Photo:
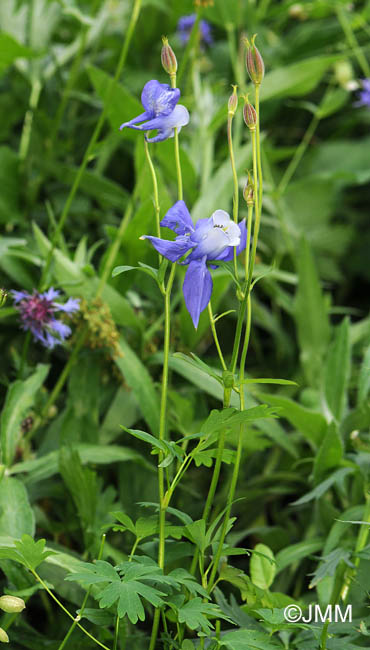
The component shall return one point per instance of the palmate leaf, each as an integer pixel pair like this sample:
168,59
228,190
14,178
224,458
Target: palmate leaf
126,585
194,613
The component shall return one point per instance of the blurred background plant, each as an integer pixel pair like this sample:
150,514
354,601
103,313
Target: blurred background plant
76,195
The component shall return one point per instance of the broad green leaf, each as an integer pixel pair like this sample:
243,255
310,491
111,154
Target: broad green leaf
194,614
332,102
10,50
139,380
31,553
143,267
247,639
311,316
330,453
97,616
323,487
16,514
262,566
46,466
329,565
311,425
196,532
296,552
19,400
271,380
337,371
122,106
295,79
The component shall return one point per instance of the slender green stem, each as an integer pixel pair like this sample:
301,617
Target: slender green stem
298,154
28,119
64,642
134,547
177,150
116,632
258,146
215,337
161,436
352,40
109,263
157,208
44,585
235,474
189,46
361,542
76,183
235,179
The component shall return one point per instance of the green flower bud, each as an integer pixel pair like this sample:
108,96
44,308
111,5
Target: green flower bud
248,192
168,58
12,604
233,102
3,297
249,114
254,61
3,636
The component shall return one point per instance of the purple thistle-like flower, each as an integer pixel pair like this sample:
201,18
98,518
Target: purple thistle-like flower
37,315
161,112
210,240
364,97
186,24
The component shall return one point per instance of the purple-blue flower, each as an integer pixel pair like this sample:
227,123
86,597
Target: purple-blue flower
212,239
161,112
364,97
185,25
37,315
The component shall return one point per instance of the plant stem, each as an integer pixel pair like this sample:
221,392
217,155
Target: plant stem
64,642
74,619
352,40
298,155
177,150
28,119
116,631
155,191
215,337
161,436
361,541
189,46
109,263
235,180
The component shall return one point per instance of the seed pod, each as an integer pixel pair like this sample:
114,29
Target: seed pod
249,114
3,636
168,58
12,604
248,192
233,102
254,61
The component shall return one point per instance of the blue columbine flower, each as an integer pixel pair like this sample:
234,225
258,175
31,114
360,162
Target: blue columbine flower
364,98
161,111
212,239
37,315
185,25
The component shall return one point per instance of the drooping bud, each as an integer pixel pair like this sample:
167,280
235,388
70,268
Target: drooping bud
12,604
249,114
3,636
233,102
3,297
248,192
254,61
168,58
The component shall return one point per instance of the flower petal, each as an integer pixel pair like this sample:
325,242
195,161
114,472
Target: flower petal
140,118
172,250
19,295
178,219
197,288
159,99
228,254
72,305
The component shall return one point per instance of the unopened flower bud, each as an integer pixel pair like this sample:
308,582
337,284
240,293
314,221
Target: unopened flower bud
248,192
254,61
3,636
298,11
249,114
168,57
3,297
233,102
343,73
12,604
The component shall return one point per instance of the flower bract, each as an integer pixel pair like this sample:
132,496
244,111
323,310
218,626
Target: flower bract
37,312
162,113
210,240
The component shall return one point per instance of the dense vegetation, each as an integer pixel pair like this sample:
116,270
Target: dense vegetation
177,484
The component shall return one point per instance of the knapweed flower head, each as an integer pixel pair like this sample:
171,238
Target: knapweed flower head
186,24
37,312
364,97
210,240
161,112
